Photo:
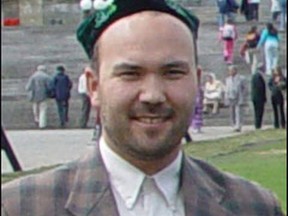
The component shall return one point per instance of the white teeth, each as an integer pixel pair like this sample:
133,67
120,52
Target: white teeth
151,120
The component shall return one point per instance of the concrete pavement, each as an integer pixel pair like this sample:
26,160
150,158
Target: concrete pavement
38,148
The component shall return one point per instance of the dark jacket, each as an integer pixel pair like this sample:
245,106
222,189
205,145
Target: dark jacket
62,85
276,89
258,88
226,6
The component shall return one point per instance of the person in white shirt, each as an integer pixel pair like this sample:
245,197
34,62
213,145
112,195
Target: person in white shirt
84,91
143,54
275,10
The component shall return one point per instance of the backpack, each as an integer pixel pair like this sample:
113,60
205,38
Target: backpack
228,32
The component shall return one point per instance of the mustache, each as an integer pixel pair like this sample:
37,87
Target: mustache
151,110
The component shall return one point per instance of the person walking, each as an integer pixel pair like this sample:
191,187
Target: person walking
254,9
250,51
229,35
235,93
85,94
283,15
226,10
62,85
258,95
197,120
38,86
275,10
270,39
277,84
244,10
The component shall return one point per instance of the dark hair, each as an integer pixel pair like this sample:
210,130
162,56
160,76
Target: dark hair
278,70
253,29
271,29
60,68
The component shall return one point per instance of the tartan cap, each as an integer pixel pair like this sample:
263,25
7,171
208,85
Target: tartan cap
107,12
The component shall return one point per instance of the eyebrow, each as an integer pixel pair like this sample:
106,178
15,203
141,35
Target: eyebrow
176,64
126,66
133,66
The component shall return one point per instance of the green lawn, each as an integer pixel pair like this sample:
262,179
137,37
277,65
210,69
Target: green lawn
259,156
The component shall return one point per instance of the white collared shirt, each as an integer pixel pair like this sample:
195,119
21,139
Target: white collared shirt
136,194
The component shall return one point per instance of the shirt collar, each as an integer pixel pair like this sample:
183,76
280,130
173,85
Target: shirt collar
127,179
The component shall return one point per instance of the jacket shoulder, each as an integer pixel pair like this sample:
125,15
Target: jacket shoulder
38,194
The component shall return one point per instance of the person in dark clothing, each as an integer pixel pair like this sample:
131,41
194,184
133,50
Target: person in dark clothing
258,95
62,86
244,9
226,8
277,84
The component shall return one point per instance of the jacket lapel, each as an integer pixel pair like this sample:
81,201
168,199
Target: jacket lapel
91,193
202,195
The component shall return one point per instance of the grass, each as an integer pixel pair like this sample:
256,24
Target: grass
259,156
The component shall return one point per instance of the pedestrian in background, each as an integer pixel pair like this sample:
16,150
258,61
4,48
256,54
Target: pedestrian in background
258,95
213,93
85,91
270,39
226,10
62,85
228,34
254,9
235,93
275,10
283,16
37,86
277,84
249,48
244,10
197,120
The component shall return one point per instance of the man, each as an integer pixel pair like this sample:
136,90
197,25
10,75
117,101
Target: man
258,95
62,85
84,91
38,85
254,9
235,97
226,8
283,15
146,85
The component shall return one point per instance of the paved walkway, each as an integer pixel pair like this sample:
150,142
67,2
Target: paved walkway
37,148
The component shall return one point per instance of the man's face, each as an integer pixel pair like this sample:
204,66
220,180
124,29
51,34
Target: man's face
146,85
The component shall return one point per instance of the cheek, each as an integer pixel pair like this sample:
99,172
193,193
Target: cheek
116,96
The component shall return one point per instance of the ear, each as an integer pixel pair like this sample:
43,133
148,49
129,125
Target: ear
92,83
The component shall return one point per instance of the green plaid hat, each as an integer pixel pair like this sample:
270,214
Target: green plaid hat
108,11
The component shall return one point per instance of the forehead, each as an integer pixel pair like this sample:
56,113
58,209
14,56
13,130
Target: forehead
147,25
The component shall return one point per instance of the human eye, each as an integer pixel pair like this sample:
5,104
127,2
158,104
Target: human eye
129,75
175,73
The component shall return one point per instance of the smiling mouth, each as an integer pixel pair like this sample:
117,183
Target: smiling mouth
151,120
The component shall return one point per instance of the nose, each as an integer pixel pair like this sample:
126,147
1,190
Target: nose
152,91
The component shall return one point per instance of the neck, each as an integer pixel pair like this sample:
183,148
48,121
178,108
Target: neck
149,166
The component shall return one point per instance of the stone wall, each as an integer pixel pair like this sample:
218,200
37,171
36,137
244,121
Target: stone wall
42,12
